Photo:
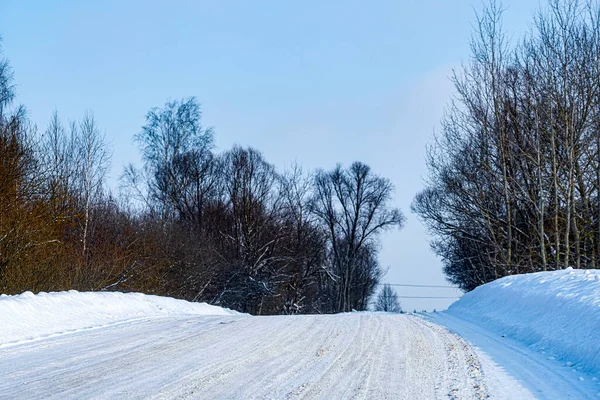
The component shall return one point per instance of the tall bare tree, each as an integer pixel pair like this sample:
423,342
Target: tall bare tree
172,139
353,205
512,184
93,162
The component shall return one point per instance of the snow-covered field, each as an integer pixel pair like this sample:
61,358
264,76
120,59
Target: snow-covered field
534,336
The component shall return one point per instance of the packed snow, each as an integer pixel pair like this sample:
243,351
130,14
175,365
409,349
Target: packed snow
31,317
344,356
114,345
542,328
528,336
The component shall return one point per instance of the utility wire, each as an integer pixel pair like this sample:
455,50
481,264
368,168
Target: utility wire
421,286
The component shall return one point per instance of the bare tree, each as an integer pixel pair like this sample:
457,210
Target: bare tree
303,245
254,234
353,206
513,176
171,140
27,234
225,228
94,159
59,159
7,87
387,300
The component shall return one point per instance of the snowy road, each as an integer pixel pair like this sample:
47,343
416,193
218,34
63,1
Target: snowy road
542,375
375,356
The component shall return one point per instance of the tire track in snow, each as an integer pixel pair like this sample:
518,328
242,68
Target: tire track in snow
540,376
354,355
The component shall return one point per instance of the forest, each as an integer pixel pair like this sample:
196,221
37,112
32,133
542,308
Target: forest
513,187
225,228
514,173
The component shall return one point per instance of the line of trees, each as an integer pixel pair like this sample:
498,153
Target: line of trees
225,228
514,176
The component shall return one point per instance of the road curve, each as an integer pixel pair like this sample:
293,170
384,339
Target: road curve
355,355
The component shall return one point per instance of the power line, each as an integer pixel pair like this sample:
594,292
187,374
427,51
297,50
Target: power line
421,286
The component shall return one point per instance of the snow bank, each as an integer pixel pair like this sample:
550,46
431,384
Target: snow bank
553,312
28,316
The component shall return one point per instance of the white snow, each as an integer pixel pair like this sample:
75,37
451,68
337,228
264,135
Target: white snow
30,317
115,345
344,356
556,312
542,328
535,336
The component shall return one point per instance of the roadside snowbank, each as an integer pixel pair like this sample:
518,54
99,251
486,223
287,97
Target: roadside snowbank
556,313
27,316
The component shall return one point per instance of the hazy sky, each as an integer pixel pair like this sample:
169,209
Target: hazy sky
317,82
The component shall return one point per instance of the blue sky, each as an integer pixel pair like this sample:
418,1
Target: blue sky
317,82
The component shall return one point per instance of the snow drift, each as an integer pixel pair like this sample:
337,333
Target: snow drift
555,312
28,316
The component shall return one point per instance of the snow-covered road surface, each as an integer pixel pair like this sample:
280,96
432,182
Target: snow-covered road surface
542,375
356,355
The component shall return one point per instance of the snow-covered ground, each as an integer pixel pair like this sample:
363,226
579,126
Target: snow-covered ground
534,336
112,345
28,317
542,328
